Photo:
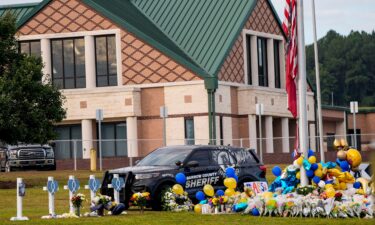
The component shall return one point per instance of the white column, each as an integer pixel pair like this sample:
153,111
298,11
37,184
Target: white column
132,136
253,132
87,138
313,137
90,62
271,63
45,47
269,134
285,134
282,64
254,60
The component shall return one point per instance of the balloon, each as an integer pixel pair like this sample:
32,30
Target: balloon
318,173
328,186
354,157
341,155
276,171
310,173
208,190
229,192
295,163
200,195
314,167
230,172
236,178
255,212
342,186
336,144
178,189
181,178
298,175
312,159
344,166
357,185
300,161
230,183
198,208
267,194
343,142
316,180
320,166
364,183
310,153
219,192
330,193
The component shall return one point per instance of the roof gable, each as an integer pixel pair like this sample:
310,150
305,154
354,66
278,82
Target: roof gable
19,10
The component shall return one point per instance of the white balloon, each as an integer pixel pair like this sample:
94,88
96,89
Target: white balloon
296,164
321,184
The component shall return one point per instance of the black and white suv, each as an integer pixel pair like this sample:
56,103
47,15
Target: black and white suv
200,164
26,156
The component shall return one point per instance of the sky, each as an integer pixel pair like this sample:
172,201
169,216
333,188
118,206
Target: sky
339,15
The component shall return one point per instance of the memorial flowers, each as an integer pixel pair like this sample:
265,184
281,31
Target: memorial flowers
77,201
140,199
176,202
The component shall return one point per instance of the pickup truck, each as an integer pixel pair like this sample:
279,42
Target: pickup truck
26,156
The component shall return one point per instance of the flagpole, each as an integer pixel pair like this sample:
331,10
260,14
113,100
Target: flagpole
318,94
303,135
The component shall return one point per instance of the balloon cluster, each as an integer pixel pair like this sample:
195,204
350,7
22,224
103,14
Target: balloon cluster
181,180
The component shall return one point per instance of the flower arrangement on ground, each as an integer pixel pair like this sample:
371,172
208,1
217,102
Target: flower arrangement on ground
101,202
140,199
77,201
176,202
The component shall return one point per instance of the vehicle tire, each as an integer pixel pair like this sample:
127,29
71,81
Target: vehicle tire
7,167
156,204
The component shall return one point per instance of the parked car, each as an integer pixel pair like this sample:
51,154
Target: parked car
200,164
26,156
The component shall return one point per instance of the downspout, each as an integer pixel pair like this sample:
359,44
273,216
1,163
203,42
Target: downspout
209,117
211,84
213,117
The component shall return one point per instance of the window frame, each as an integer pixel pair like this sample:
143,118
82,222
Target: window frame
277,63
29,46
248,59
189,141
108,75
75,77
264,56
188,159
115,139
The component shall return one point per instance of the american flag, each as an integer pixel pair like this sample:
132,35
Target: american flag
290,29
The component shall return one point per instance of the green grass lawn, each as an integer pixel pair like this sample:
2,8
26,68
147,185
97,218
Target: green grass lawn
36,205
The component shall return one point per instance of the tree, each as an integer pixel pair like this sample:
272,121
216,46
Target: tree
28,107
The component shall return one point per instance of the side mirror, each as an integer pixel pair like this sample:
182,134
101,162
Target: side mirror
178,163
192,164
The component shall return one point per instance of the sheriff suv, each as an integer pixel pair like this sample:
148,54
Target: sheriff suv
200,164
26,156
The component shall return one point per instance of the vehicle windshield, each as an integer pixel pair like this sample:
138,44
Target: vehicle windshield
165,157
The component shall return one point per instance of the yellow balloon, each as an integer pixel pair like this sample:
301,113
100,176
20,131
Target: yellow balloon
312,159
328,186
300,161
330,192
178,189
230,183
354,157
198,208
298,175
341,154
342,186
208,190
318,173
229,192
267,194
320,166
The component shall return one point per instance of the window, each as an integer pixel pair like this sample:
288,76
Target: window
248,54
68,63
222,157
64,148
276,52
106,66
201,156
189,131
30,48
330,140
114,139
262,62
221,130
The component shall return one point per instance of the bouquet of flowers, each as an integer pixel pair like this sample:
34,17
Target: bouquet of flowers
176,203
77,201
140,199
101,202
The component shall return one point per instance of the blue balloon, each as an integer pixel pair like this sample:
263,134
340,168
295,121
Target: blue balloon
200,195
316,179
181,178
230,172
357,185
220,193
314,167
255,212
276,171
344,166
310,153
310,173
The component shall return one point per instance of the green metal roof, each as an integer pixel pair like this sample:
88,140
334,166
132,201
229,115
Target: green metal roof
205,30
19,10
